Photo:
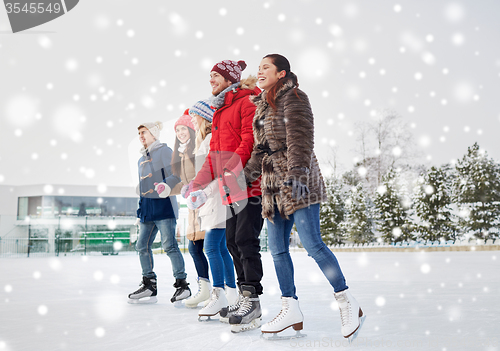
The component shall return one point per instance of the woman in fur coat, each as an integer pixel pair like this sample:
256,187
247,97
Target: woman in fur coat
292,190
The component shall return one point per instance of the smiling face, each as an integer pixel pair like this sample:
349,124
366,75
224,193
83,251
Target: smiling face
268,74
182,133
218,83
196,120
145,137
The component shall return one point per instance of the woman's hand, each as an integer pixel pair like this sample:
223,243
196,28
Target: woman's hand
196,199
187,189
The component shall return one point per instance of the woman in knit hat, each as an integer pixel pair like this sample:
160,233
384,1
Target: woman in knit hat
213,220
183,161
292,190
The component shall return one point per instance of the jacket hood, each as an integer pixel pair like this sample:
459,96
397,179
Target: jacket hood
245,87
249,83
156,144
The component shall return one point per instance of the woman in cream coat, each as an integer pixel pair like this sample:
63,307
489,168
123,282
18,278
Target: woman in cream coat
212,217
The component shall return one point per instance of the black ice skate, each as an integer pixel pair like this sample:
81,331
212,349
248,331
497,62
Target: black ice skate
249,315
146,293
228,311
182,292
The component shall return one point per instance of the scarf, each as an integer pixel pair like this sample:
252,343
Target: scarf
150,148
182,147
218,101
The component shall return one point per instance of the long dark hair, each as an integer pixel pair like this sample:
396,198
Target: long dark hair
282,64
176,158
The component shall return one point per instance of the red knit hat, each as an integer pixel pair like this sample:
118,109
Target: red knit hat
230,70
184,120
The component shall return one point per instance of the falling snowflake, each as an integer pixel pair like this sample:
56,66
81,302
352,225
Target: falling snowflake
100,332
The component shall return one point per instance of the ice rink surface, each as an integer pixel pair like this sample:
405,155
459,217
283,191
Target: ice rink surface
413,301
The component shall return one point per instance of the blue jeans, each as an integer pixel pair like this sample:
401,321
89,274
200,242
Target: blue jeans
220,260
307,222
199,258
147,234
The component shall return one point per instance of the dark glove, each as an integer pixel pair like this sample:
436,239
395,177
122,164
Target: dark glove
299,189
240,180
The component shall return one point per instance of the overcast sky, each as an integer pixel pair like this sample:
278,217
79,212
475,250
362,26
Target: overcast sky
74,90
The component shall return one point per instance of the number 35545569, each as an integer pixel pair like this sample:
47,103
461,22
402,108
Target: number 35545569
34,7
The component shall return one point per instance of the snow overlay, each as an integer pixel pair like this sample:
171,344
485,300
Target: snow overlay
413,301
75,89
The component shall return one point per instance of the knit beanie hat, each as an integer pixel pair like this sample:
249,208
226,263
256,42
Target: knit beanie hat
230,70
184,120
153,127
203,109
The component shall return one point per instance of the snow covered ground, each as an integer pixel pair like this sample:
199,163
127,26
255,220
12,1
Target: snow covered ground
422,301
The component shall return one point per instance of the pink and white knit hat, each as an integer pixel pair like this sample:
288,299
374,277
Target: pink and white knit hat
230,70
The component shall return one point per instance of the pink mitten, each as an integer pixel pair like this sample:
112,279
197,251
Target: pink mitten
162,189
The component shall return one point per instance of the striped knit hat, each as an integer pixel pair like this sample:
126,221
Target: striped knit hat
203,109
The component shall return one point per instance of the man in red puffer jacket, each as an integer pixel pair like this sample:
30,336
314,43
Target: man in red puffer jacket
230,149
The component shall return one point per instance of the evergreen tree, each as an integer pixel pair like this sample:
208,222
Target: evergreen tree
432,203
477,193
393,208
332,212
359,221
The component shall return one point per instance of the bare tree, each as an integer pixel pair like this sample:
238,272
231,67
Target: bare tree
362,137
332,158
386,142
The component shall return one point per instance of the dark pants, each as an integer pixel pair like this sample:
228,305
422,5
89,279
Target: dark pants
199,258
242,235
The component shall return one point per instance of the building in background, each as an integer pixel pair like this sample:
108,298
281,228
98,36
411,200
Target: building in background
70,219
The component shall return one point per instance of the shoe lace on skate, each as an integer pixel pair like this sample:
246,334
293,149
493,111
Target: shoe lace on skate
141,289
213,299
245,306
283,312
344,308
199,290
236,305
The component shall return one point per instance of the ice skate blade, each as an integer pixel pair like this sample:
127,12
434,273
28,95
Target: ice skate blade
191,306
178,304
143,301
224,320
276,337
206,318
238,328
355,334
